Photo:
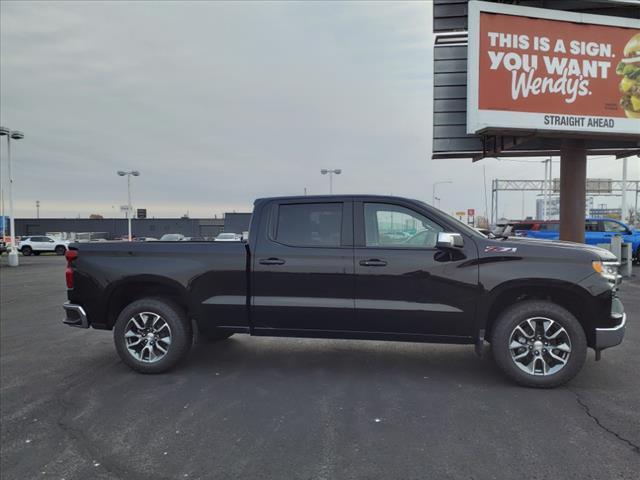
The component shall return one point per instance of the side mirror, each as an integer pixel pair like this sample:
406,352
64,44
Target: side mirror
449,240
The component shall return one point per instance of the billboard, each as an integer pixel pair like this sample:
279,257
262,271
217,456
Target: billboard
550,70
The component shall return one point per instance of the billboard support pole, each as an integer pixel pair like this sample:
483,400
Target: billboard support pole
573,182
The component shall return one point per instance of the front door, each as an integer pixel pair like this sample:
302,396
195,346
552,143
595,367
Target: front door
303,274
404,284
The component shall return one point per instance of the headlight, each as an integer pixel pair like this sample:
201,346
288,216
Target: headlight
608,270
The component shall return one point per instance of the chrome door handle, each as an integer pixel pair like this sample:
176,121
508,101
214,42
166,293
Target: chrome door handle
271,261
373,262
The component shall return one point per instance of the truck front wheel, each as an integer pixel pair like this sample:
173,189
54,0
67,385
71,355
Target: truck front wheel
538,343
152,335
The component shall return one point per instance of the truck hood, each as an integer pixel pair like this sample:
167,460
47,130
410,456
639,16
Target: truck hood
597,252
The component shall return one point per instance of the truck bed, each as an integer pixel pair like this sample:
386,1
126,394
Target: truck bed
193,273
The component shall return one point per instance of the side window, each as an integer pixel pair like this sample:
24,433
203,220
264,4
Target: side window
309,224
50,240
393,226
592,226
613,227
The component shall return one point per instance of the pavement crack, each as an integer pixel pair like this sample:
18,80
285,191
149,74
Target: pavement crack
587,410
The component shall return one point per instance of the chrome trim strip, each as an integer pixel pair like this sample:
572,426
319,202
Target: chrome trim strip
401,305
324,302
226,300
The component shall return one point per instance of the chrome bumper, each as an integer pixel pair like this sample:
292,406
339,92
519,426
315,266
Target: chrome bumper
75,316
610,337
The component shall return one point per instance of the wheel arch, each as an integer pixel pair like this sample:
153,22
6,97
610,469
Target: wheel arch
578,301
128,290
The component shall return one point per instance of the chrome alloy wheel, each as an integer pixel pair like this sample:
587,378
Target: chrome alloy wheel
147,337
540,346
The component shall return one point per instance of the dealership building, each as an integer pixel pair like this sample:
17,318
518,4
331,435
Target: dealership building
111,228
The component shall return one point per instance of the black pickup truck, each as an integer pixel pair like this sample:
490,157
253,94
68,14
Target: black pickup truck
357,267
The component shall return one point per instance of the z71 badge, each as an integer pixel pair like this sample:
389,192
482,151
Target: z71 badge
497,249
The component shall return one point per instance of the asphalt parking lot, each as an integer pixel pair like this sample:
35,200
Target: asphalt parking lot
297,409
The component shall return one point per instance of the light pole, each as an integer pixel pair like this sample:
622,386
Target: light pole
11,135
37,208
135,173
433,193
325,171
623,206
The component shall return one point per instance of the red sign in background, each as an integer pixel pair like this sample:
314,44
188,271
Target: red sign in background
599,95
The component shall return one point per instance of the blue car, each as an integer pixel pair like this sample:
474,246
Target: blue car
597,230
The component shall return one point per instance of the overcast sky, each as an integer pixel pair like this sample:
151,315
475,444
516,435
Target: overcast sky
218,103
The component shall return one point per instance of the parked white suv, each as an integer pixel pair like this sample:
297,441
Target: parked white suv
37,244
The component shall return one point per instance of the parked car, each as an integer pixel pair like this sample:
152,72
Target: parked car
145,239
227,237
171,237
323,266
37,244
3,247
513,228
596,231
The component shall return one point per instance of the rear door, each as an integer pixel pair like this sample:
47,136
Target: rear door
404,284
303,272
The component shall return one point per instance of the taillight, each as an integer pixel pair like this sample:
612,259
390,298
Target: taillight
70,255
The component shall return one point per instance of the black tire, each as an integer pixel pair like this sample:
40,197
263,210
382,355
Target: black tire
26,251
520,312
215,336
180,332
60,250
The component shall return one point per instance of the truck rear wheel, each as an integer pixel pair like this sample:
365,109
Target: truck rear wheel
152,335
538,343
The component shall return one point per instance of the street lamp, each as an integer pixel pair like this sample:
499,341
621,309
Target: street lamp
433,194
134,173
325,171
11,135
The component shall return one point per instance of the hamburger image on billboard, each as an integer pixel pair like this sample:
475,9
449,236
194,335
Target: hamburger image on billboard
629,68
543,70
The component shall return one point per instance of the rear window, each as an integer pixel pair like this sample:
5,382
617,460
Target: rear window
310,224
